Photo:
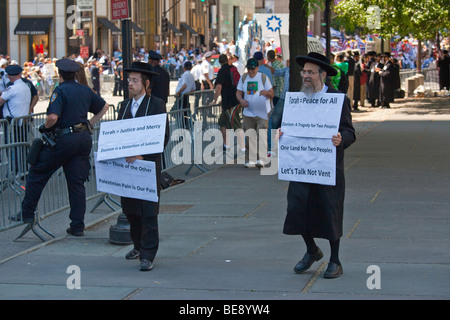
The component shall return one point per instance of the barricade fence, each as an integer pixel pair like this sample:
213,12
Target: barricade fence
17,137
430,76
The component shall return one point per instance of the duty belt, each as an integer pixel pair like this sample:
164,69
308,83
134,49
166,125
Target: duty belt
75,128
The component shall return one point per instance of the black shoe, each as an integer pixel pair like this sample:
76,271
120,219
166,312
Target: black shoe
24,219
17,217
74,233
334,270
307,261
133,254
146,265
28,219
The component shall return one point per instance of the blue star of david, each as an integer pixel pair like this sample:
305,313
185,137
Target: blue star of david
276,20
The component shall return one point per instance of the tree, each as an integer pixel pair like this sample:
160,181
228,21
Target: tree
419,18
298,36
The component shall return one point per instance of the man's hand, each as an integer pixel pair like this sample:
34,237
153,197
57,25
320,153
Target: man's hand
336,139
43,129
133,159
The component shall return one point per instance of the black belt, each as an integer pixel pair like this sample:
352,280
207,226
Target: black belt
75,128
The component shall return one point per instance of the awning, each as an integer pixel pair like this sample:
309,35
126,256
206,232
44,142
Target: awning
111,26
175,30
33,26
137,30
190,29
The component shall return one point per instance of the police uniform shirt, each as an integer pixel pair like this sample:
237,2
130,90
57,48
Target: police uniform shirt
206,67
71,102
3,80
18,99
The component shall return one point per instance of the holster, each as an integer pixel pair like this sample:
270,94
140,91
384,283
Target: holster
35,149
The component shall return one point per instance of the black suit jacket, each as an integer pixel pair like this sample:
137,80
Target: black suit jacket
155,106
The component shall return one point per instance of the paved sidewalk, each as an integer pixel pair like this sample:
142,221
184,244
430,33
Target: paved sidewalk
221,232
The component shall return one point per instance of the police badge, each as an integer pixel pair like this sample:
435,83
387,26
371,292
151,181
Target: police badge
53,97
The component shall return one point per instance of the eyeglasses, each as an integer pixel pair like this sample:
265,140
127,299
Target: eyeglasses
308,73
133,80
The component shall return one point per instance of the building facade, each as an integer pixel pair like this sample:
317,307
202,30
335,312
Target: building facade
59,28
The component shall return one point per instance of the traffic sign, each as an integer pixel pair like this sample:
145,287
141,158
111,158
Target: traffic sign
119,10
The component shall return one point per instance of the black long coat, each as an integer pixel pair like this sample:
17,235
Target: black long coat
131,206
374,81
357,82
318,210
387,87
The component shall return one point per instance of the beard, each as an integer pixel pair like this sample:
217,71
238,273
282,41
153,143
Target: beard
310,88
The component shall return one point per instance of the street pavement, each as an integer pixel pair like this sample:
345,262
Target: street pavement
221,232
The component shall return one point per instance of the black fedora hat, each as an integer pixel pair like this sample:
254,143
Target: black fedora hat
142,67
318,59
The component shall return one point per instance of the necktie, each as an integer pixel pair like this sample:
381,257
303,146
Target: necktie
134,108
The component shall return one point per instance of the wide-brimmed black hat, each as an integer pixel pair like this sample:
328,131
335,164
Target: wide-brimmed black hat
318,59
142,67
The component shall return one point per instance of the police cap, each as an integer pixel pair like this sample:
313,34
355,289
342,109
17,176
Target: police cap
67,65
154,55
13,70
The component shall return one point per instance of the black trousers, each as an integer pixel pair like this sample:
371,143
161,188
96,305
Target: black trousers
72,153
145,236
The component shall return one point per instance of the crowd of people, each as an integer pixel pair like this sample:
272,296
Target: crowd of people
372,76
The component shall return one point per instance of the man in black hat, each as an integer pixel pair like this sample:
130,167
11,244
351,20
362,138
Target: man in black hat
143,215
160,87
67,121
387,75
314,210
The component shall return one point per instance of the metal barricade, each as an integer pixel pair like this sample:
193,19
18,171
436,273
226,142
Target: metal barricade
431,78
16,139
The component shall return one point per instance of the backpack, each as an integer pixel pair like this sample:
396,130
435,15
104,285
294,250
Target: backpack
235,76
343,83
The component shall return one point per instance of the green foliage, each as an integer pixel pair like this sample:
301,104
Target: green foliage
420,18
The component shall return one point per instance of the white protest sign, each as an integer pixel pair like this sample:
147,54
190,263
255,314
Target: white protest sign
133,180
315,117
307,160
131,137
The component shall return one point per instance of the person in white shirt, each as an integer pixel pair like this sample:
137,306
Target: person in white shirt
223,46
232,48
196,73
254,92
187,81
184,87
207,77
238,64
255,46
16,98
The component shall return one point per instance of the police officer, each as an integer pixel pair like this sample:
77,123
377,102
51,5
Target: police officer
16,100
67,121
160,85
